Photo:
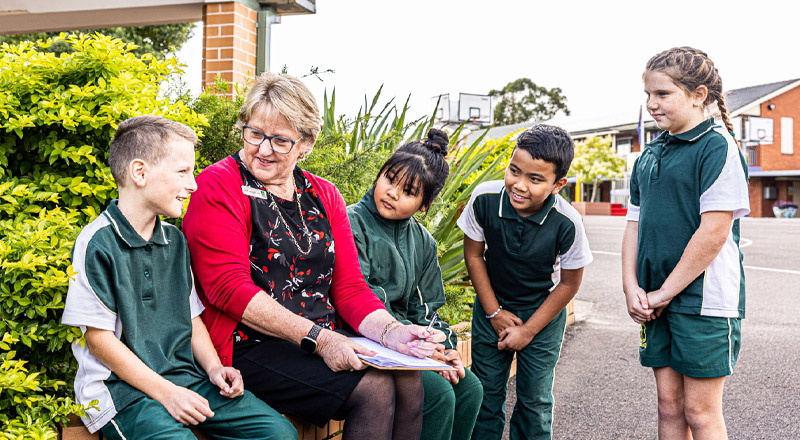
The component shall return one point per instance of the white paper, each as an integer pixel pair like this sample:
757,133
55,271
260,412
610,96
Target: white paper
386,357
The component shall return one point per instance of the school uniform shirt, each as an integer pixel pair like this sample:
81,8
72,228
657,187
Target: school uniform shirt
400,264
675,180
141,290
524,255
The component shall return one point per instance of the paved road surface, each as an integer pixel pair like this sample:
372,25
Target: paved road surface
603,393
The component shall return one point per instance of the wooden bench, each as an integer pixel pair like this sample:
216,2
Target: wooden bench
74,430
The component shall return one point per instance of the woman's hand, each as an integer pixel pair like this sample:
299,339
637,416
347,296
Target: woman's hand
413,340
229,381
339,352
503,320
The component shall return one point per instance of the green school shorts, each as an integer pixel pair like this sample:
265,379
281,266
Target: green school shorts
695,346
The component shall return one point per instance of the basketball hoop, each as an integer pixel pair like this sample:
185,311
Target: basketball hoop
762,134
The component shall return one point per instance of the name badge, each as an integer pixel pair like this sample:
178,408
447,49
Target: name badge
254,192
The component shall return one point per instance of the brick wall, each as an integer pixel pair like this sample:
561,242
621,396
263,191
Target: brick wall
770,156
229,43
757,201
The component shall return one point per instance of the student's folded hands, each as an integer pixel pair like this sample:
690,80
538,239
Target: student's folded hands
503,320
514,338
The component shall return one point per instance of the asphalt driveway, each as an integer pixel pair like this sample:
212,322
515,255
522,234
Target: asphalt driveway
601,390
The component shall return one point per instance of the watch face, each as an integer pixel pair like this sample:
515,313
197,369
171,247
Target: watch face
308,345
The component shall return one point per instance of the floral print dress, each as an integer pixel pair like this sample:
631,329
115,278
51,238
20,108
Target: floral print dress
299,282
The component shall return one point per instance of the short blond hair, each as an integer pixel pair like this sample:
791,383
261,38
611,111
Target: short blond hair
143,137
290,97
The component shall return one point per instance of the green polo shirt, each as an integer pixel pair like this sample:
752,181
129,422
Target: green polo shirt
399,262
141,290
524,255
675,180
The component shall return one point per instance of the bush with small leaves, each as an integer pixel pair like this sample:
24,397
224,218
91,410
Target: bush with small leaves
57,117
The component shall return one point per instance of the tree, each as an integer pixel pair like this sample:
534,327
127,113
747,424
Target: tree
594,161
158,40
522,100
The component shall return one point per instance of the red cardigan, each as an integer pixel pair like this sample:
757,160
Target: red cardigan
217,226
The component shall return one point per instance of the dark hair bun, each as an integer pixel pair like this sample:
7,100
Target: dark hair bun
437,141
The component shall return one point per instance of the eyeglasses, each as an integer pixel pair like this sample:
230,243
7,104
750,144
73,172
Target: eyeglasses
254,136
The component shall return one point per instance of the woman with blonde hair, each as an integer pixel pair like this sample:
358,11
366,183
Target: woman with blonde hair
277,269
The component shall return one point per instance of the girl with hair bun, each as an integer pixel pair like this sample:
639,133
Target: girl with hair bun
682,267
398,259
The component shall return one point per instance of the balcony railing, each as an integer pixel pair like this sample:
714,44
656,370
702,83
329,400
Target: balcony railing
752,156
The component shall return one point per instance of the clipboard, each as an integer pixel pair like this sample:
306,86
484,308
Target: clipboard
387,359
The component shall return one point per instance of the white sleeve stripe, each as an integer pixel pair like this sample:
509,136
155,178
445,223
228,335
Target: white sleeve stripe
82,305
467,222
633,213
579,254
729,191
195,305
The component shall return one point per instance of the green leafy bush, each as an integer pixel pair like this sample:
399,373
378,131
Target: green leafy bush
57,116
221,138
350,152
470,165
458,302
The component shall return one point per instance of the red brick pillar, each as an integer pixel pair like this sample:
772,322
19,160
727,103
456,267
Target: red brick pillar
229,43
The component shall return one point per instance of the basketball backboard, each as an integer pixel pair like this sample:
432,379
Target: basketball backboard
475,108
443,107
758,129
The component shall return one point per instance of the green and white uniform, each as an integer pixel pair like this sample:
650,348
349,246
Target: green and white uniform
143,291
399,262
524,257
675,180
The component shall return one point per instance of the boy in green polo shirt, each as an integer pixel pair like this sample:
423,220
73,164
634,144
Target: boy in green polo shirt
134,299
525,249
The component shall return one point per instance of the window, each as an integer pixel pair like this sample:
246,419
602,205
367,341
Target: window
624,146
787,136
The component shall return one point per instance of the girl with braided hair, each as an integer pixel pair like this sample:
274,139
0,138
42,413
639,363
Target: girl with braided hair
681,263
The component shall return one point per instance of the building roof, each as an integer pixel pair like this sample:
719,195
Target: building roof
739,98
603,123
576,125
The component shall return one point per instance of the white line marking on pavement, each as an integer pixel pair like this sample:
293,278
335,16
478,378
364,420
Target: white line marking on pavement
769,269
766,269
606,253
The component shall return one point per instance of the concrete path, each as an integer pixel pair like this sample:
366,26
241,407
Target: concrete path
603,393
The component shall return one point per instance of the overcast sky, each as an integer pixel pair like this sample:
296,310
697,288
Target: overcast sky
594,51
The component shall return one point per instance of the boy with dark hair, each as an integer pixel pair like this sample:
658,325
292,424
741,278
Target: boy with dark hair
525,249
134,299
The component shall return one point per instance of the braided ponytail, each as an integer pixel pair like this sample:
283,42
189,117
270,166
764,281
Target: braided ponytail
691,68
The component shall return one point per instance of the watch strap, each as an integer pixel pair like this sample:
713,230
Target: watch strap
314,332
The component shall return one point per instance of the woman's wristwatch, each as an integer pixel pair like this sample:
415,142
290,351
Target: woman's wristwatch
309,342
